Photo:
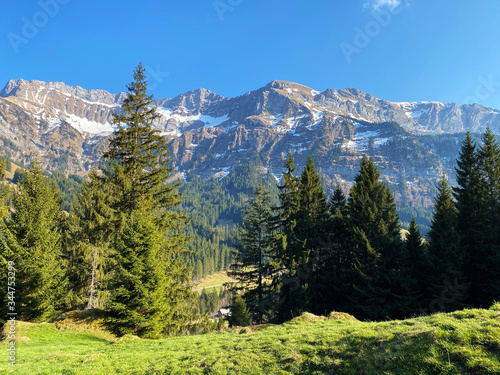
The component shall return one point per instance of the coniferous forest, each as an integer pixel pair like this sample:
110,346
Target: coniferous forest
124,242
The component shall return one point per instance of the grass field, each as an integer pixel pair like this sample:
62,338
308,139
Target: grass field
215,280
463,342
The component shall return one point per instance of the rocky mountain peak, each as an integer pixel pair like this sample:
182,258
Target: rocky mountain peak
22,87
191,100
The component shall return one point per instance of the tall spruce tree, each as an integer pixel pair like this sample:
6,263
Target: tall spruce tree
286,257
487,259
312,224
31,238
470,219
136,164
252,258
416,266
376,247
336,275
89,245
445,254
151,293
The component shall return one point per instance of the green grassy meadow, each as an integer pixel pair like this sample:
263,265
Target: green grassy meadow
462,342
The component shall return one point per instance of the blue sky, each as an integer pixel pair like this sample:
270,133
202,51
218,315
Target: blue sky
401,50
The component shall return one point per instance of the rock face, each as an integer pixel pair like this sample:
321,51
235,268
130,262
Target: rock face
68,128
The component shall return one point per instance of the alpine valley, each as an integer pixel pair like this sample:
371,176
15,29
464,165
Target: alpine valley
209,135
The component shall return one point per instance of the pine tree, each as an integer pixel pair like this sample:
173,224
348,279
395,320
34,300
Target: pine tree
445,254
416,266
31,238
89,247
290,293
151,295
136,165
376,246
240,316
487,258
253,254
335,275
470,218
311,231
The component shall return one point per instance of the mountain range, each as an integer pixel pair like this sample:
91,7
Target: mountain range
412,142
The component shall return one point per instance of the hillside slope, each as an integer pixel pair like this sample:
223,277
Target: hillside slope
463,342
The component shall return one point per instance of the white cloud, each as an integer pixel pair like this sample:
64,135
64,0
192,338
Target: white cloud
377,5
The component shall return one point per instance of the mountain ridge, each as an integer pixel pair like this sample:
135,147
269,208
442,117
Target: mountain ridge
68,128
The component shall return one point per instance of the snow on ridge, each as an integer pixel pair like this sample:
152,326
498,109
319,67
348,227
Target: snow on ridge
362,137
84,125
208,121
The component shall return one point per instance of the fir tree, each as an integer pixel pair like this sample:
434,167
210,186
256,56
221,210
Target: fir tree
136,165
416,266
290,292
31,238
376,246
470,219
487,258
151,294
445,254
335,275
253,254
240,316
311,230
89,247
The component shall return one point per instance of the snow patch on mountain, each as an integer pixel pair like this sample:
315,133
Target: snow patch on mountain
87,126
181,118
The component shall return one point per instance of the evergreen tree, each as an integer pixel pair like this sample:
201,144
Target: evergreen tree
416,266
487,258
376,247
89,247
286,258
445,254
253,254
151,294
311,230
3,209
335,275
31,238
470,219
240,316
136,165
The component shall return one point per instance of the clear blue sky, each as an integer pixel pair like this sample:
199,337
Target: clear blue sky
429,50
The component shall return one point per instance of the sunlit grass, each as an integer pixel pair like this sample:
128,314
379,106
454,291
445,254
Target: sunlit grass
463,342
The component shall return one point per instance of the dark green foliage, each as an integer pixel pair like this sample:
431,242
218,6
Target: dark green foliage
136,165
417,267
376,247
313,221
253,255
446,257
287,255
240,316
31,238
18,175
209,301
88,245
487,257
69,187
470,218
